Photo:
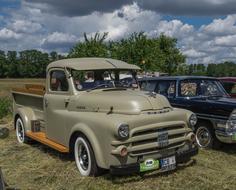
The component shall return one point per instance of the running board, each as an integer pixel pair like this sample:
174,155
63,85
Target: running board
41,137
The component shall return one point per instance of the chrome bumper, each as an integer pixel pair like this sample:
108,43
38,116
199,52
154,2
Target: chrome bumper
224,136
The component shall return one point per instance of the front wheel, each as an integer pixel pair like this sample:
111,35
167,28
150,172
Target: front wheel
20,131
205,136
84,157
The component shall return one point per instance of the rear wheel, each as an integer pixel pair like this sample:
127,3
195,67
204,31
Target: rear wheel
84,157
205,136
20,131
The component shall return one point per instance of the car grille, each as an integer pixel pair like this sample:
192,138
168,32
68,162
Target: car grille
143,139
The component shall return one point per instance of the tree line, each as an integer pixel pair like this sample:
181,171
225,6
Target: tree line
151,54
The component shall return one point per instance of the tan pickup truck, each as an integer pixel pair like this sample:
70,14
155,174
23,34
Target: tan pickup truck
93,108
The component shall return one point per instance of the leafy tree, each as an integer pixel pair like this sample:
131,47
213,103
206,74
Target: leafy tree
2,63
91,47
11,64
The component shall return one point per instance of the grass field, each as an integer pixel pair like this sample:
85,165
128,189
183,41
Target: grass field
36,166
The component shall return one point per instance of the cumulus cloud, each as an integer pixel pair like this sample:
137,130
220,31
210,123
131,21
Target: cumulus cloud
221,26
39,25
177,7
59,40
6,34
226,41
25,26
78,7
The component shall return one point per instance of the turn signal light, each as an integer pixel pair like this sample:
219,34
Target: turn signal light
192,137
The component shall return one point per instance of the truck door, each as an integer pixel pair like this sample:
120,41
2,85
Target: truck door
55,105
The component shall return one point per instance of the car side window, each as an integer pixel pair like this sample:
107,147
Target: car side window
166,88
230,87
58,81
148,86
188,88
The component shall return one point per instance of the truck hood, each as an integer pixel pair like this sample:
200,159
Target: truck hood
122,101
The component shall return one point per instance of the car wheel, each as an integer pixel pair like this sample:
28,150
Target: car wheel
20,131
84,157
205,136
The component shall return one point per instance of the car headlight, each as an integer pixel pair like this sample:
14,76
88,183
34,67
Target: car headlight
123,131
231,123
193,120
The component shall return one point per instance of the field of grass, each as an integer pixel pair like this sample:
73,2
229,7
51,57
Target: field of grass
35,166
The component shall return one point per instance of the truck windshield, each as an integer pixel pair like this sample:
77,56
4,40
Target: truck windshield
90,80
206,88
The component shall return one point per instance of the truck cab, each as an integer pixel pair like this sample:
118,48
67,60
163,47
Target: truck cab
89,109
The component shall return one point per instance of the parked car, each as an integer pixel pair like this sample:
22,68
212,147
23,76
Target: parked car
86,110
205,96
229,83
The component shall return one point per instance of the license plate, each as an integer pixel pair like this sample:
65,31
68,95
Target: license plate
168,164
149,164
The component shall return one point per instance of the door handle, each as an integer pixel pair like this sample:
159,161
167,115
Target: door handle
66,100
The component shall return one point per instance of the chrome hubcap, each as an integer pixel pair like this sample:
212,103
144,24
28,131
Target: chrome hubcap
203,137
20,131
83,157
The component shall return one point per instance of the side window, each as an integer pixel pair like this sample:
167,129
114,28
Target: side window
233,91
58,81
230,87
188,88
166,88
148,86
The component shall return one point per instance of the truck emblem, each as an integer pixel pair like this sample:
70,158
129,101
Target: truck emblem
162,139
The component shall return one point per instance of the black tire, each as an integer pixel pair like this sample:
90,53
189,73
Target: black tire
205,136
85,158
20,131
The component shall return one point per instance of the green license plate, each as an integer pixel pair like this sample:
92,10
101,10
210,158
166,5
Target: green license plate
149,164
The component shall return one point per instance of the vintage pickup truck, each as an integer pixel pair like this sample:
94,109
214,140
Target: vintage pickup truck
206,97
88,110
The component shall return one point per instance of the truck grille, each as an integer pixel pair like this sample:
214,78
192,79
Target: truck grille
144,140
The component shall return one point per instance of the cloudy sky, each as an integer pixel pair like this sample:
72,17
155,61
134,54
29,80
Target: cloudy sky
205,29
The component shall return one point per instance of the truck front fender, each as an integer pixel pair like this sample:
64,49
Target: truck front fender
91,137
26,114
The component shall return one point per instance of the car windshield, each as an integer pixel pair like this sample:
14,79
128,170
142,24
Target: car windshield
208,88
91,80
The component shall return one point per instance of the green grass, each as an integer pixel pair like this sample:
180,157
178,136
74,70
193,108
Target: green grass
36,166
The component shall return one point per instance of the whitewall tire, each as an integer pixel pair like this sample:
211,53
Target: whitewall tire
20,131
84,157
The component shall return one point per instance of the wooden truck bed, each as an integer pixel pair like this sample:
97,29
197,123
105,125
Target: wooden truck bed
34,89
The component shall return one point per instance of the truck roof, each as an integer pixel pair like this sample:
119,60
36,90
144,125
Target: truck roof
91,64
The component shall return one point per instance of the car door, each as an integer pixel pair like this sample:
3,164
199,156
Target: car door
55,105
188,96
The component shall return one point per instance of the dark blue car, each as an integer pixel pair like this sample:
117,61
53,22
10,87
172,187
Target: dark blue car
205,96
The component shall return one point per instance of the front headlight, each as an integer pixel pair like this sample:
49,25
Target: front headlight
231,123
123,131
193,120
